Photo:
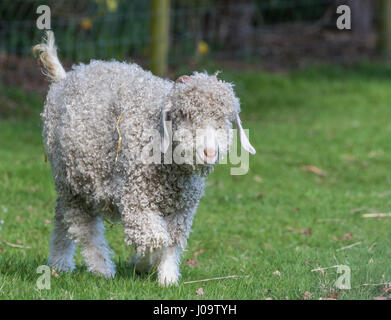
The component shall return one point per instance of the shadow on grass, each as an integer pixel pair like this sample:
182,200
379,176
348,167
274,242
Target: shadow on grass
127,272
25,269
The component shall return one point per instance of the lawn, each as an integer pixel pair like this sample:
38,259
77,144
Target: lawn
323,160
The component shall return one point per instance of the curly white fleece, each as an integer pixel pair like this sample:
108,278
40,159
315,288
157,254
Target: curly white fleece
156,202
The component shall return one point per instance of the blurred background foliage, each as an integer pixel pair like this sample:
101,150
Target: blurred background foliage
119,28
274,34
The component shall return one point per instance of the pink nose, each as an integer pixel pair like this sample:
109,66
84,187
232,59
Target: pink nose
209,153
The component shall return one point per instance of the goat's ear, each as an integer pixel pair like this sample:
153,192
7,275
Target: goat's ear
243,138
166,135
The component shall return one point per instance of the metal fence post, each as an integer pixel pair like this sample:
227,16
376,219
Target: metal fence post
384,28
159,35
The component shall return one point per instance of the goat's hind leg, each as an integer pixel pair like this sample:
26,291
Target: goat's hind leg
62,248
88,230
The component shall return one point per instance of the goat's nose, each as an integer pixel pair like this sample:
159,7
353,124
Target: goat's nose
209,153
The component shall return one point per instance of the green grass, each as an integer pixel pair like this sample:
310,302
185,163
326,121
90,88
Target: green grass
335,119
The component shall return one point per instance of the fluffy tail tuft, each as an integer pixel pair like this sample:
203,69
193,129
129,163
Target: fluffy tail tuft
47,56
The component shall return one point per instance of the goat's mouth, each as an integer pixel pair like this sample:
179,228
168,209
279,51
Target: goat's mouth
207,156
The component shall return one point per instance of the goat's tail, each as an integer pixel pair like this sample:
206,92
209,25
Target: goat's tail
47,56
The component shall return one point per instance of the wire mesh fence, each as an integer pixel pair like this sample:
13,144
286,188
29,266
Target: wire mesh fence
273,33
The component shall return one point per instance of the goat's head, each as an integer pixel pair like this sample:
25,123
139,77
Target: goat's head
201,108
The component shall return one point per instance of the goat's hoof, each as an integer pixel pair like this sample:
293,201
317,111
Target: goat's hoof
168,280
107,270
166,283
106,274
62,264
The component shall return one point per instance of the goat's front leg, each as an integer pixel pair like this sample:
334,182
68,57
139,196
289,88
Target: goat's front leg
168,268
146,230
178,226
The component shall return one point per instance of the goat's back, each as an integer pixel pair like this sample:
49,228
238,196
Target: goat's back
80,117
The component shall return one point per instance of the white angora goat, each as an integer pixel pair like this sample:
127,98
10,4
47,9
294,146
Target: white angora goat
95,123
